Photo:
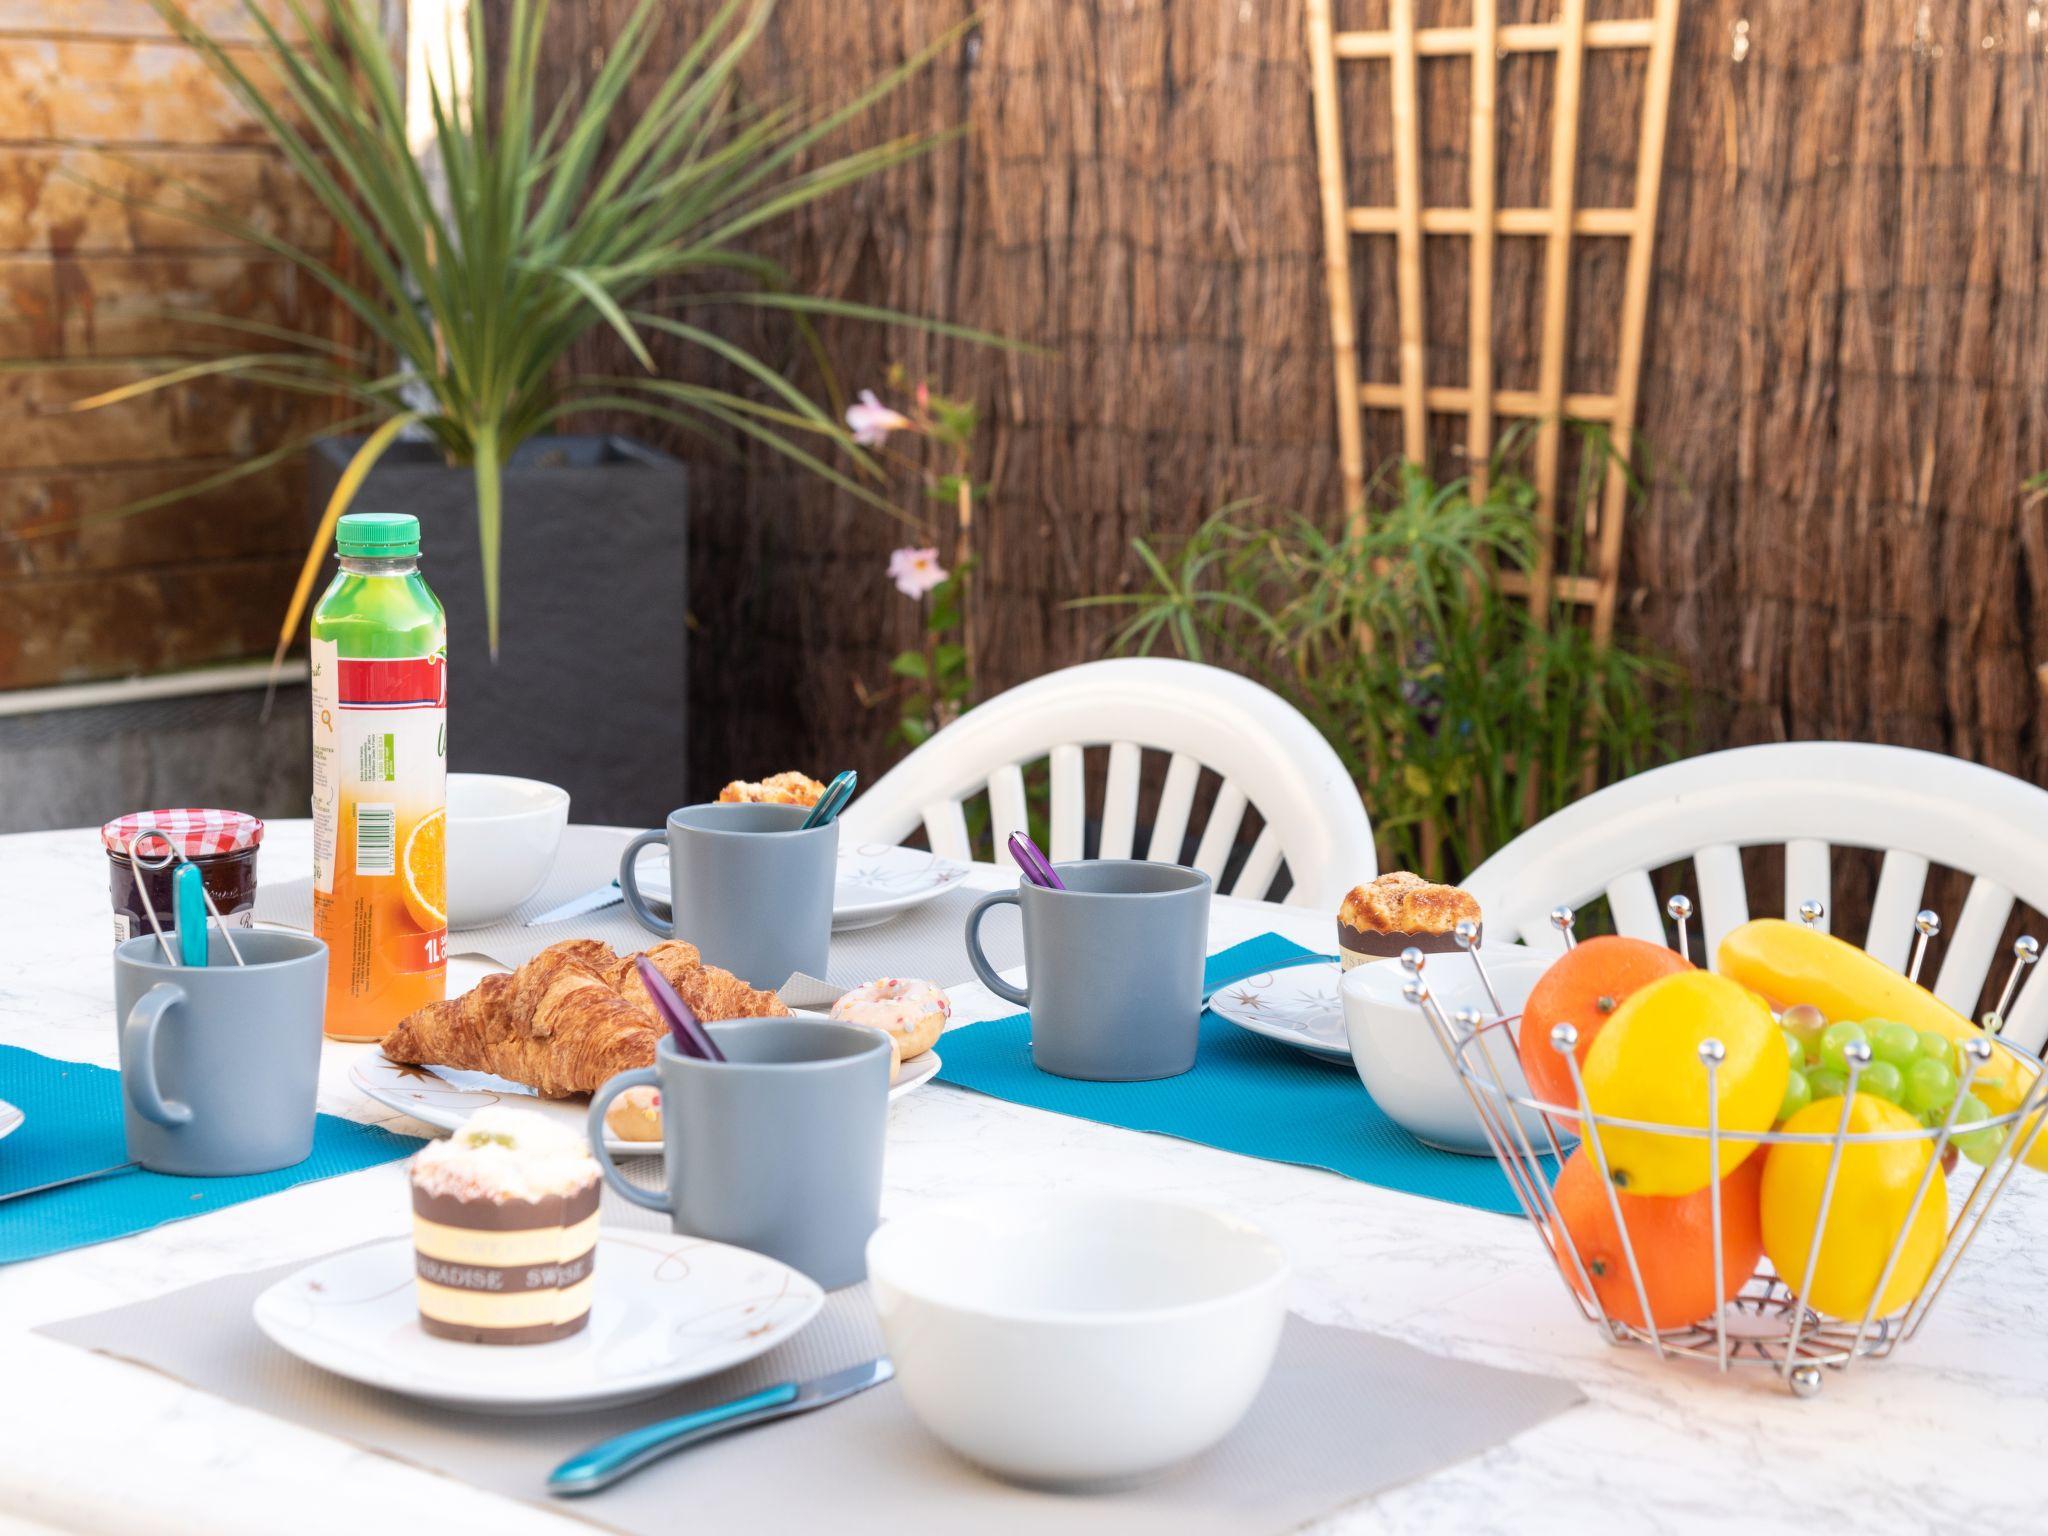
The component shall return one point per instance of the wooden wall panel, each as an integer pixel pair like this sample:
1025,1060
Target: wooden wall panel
97,91
1845,384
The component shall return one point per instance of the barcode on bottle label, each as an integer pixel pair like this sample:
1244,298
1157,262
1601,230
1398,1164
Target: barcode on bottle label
376,843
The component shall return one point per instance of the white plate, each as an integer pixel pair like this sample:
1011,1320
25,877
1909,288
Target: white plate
875,882
878,881
444,1098
1298,1006
666,1309
10,1118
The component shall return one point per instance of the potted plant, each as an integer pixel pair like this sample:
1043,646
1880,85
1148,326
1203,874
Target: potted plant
472,270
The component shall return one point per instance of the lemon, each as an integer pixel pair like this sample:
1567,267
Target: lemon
1874,1190
1645,1065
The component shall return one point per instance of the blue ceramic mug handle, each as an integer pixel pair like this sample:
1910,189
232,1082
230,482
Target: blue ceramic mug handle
654,1200
975,957
138,1056
629,885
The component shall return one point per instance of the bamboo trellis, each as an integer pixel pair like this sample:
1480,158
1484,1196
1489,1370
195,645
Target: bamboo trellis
1484,42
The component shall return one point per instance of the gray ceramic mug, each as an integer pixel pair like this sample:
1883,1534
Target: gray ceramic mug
220,1064
1113,968
778,1148
748,888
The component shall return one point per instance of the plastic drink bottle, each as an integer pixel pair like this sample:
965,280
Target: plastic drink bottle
380,779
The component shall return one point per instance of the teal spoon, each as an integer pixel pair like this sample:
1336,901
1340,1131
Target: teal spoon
188,906
832,802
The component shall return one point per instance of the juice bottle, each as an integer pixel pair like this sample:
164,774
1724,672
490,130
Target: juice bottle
380,779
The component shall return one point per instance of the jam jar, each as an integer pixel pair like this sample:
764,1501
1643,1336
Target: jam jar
222,843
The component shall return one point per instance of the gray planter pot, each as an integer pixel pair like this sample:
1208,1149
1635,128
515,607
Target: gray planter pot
590,688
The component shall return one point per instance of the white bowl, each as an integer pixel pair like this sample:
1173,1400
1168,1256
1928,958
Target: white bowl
1067,1340
502,837
1401,1062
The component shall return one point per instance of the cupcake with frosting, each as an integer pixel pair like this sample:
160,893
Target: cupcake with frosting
505,1230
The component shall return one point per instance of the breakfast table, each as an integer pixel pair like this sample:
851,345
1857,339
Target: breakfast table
1944,1435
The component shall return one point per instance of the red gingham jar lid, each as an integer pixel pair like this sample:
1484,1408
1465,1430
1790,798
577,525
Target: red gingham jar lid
194,832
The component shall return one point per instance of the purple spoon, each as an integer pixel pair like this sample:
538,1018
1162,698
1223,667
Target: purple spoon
1036,866
691,1037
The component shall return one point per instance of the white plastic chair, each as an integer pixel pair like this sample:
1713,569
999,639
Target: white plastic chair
1267,754
1916,807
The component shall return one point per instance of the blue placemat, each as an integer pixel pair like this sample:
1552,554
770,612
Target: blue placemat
73,1125
1246,1094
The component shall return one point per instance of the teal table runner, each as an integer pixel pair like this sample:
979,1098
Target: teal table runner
72,1125
1246,1094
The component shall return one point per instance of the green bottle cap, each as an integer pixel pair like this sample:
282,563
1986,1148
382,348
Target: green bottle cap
377,535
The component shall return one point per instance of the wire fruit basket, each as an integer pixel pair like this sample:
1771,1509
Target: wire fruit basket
1761,1322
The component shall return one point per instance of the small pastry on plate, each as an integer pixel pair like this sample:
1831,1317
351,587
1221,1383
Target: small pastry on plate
790,788
912,1014
635,1115
1400,911
505,1230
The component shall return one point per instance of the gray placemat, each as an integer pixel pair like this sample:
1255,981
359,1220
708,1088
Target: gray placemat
928,942
1344,1415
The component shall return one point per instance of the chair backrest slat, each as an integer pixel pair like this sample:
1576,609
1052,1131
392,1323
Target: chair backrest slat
1261,865
1267,755
945,823
1724,898
1973,945
1225,817
1008,809
1632,899
1176,799
1069,801
2026,1023
1901,882
1807,879
1120,801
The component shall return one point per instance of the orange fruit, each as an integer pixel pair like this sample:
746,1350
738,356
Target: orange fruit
1583,988
1673,1240
423,866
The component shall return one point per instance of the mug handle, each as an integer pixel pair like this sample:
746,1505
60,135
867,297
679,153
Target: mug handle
629,885
599,1103
975,957
138,1056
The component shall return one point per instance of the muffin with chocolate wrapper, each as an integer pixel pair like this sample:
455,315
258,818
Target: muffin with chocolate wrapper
505,1230
1400,911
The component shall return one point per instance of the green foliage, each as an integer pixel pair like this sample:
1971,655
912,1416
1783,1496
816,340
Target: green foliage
1456,712
941,672
557,221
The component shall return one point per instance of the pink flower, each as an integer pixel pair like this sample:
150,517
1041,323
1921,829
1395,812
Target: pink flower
871,421
916,571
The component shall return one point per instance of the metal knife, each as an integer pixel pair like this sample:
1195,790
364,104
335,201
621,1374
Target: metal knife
623,1455
590,901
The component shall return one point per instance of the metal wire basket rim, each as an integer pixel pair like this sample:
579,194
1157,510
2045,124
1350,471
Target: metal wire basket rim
1489,1083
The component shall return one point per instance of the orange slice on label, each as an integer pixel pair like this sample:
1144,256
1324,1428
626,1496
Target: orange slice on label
424,868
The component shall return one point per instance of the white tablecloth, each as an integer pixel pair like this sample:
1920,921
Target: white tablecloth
1947,1435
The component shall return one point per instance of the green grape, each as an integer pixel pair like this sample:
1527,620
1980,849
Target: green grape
1898,1044
1935,1045
1834,1038
1798,1094
1929,1087
1794,1051
1980,1147
1804,1023
1882,1079
1826,1083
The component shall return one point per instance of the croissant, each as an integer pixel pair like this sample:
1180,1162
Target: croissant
570,1018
